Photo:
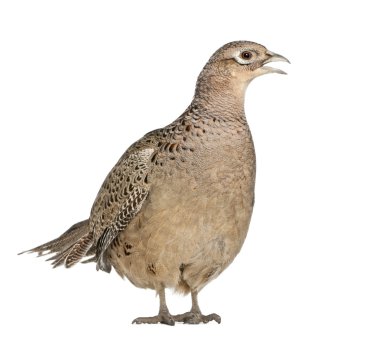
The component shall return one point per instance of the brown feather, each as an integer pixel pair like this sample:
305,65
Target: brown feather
70,247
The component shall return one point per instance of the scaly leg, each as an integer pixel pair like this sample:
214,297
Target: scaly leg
163,317
195,315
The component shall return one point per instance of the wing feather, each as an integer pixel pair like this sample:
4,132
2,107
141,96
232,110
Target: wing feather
119,200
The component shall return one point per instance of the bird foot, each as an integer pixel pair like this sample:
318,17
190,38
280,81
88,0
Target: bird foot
196,318
163,318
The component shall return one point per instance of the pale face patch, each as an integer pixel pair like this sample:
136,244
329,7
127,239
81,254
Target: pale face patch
245,57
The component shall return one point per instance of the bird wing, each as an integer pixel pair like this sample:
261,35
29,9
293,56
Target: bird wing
120,199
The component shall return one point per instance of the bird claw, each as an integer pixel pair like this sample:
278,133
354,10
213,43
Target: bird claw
162,318
196,318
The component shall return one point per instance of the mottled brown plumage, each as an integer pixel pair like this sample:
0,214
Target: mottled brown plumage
175,209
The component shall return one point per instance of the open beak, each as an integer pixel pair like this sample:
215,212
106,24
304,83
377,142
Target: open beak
271,57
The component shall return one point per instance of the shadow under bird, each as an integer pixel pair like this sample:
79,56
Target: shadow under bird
175,209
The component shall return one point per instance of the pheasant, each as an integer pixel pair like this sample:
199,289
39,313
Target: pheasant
175,209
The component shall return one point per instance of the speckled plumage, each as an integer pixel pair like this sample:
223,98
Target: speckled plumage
175,209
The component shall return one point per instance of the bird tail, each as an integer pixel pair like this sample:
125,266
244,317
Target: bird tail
69,248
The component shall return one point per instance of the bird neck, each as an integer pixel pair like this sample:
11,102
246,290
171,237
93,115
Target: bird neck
220,95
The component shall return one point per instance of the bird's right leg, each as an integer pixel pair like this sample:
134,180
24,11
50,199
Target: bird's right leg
163,317
195,316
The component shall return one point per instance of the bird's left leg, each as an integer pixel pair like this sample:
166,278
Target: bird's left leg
163,317
195,315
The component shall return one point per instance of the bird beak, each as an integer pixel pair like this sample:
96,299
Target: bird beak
270,57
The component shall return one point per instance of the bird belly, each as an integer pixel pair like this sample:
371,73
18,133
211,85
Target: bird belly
188,232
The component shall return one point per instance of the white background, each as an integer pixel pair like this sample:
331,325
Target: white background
81,80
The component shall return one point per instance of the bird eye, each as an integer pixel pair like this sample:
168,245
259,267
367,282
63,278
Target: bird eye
246,55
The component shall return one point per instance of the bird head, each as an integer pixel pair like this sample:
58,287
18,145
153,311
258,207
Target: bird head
239,62
226,76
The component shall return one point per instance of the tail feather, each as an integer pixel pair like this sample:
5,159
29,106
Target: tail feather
70,247
59,258
62,242
79,250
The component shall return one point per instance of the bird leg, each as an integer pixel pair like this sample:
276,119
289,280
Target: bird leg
163,317
195,315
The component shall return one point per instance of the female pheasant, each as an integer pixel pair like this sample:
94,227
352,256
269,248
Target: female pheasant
175,209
